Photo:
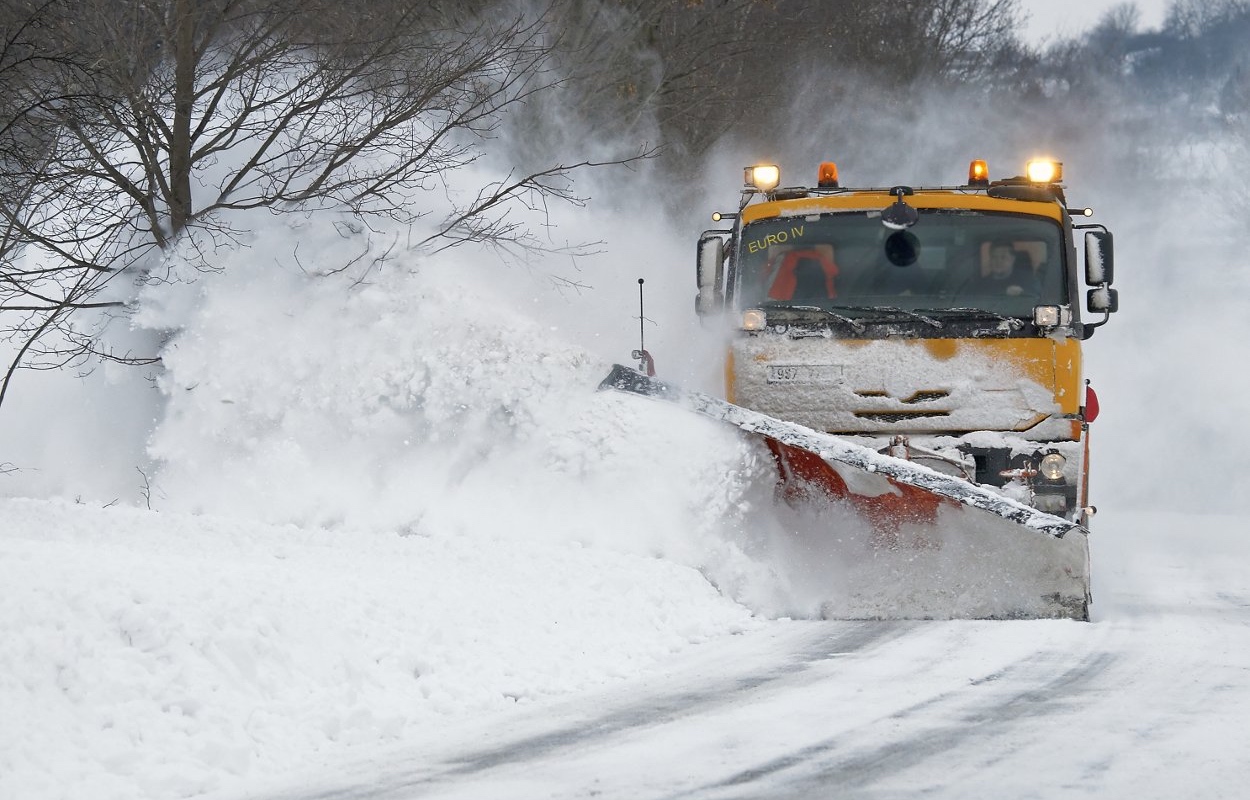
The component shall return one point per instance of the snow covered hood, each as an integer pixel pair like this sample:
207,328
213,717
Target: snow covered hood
908,385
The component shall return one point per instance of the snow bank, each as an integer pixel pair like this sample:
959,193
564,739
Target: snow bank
162,655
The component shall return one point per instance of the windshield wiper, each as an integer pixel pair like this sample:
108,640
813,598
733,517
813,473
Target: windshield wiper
1015,323
896,310
855,324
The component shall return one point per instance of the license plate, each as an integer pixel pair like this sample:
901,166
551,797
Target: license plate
805,373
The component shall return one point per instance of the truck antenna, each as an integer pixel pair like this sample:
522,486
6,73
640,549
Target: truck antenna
645,362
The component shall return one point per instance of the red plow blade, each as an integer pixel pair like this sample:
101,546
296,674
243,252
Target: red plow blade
946,548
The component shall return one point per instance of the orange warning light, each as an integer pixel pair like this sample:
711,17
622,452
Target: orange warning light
978,173
827,176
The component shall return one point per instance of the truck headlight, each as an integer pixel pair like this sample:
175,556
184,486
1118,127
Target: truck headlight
754,319
1052,466
1051,316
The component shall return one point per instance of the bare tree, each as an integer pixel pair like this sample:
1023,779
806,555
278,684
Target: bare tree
1193,18
26,293
639,70
901,42
168,115
689,73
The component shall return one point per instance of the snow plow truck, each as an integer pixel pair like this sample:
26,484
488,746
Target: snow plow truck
913,354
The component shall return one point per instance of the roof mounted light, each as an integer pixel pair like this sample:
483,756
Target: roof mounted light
764,177
979,173
827,175
1042,171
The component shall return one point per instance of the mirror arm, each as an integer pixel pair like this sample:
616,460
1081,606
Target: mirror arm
1106,315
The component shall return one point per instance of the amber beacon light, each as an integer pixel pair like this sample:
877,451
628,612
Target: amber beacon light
979,173
827,175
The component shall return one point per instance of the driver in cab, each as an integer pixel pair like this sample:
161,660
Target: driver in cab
1004,271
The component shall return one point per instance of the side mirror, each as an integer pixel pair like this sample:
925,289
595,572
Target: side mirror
1099,258
710,275
1104,298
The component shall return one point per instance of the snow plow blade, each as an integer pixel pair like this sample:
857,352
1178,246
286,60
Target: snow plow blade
949,548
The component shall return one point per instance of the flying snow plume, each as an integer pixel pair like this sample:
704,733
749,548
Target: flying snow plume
423,398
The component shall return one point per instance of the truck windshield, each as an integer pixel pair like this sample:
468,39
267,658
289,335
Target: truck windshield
1002,263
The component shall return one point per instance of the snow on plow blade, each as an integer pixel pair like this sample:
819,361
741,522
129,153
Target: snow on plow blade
941,547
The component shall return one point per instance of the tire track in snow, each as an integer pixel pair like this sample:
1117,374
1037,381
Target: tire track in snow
846,764
661,709
826,640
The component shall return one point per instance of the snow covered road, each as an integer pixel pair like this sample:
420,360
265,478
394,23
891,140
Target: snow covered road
1148,701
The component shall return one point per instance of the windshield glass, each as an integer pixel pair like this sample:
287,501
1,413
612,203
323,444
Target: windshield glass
1002,263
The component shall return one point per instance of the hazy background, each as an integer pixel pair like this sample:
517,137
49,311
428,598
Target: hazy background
1048,22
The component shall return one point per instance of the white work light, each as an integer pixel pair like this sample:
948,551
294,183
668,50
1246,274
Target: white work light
764,177
1044,171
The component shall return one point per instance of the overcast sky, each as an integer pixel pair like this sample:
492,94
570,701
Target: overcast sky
1052,19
